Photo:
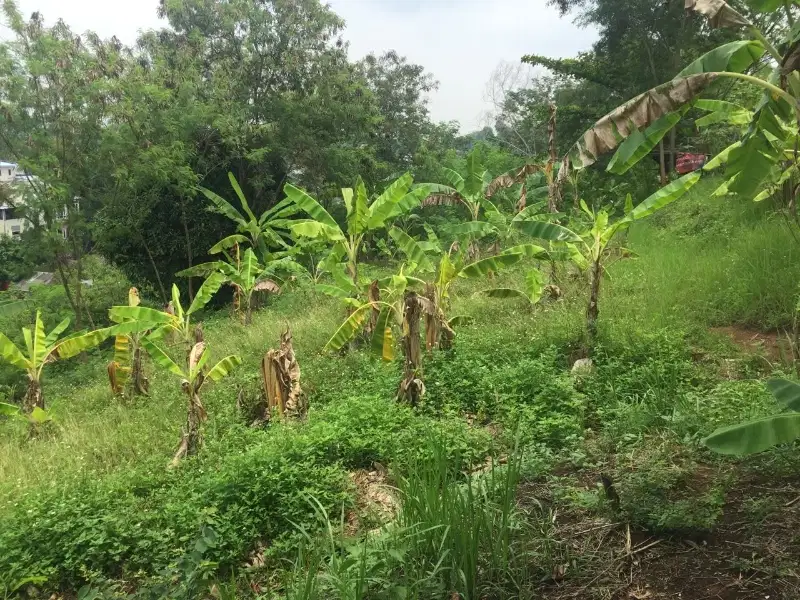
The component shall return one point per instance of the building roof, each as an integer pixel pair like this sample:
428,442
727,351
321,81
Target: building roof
6,165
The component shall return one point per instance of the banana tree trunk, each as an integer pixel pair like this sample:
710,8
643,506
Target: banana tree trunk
192,439
141,386
33,397
411,387
552,187
593,310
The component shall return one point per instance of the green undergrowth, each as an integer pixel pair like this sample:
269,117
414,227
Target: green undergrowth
93,500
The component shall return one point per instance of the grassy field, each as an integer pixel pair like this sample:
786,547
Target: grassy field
513,479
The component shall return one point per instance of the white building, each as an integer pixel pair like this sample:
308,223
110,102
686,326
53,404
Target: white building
11,223
11,220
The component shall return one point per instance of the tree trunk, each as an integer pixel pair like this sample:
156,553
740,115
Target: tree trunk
672,150
65,283
192,439
552,187
189,255
141,387
155,270
593,310
411,387
662,163
33,397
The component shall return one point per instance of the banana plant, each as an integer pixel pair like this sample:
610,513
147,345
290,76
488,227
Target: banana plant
127,366
37,418
42,349
765,155
451,266
247,276
363,217
175,321
762,434
591,248
270,230
193,377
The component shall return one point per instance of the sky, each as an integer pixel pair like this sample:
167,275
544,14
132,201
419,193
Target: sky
460,42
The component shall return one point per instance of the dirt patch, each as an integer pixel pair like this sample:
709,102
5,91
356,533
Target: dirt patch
772,344
376,503
754,553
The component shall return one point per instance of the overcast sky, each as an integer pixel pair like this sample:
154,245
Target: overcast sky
459,41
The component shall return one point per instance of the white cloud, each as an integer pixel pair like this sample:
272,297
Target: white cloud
459,41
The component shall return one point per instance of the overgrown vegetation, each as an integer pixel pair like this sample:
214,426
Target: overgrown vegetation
447,415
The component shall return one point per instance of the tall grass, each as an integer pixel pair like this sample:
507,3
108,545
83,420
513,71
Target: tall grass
456,533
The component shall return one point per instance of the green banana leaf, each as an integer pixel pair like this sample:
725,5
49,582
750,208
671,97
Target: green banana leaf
52,337
12,355
384,205
317,230
411,249
548,231
310,205
755,436
224,367
734,57
223,207
118,314
492,264
161,358
242,199
663,197
786,392
349,328
203,296
640,143
228,242
382,342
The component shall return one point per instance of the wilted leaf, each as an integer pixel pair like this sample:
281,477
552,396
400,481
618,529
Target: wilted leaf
639,112
267,285
719,13
511,178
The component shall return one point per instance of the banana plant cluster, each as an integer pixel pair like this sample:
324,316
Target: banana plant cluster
363,218
244,273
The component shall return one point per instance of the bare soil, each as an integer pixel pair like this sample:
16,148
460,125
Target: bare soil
750,555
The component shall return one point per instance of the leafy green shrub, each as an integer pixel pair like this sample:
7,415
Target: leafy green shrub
664,489
250,486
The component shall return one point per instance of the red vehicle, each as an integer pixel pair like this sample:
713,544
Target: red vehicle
687,162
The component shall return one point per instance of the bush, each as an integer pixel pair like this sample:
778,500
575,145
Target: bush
251,486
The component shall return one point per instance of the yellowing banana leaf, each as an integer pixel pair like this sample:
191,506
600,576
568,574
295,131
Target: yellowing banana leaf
721,158
382,340
638,113
409,246
78,343
548,231
39,343
161,358
224,367
10,410
755,436
349,328
493,264
310,205
317,230
11,354
786,392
